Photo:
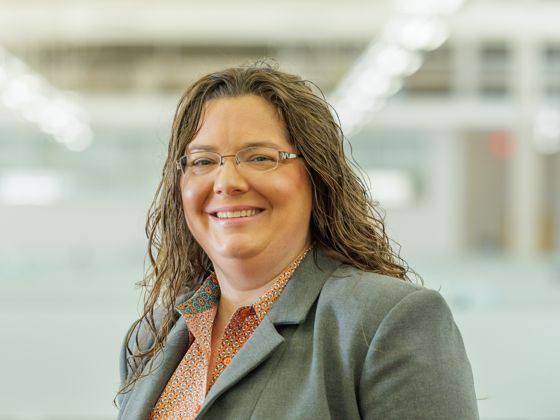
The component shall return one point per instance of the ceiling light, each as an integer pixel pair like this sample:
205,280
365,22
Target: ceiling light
397,62
417,33
55,112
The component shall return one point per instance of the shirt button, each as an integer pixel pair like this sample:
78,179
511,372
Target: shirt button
197,408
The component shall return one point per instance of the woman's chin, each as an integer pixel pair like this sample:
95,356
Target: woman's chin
236,250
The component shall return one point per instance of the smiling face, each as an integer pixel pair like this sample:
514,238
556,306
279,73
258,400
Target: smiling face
241,213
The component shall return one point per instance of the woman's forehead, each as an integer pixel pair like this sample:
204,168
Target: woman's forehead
239,122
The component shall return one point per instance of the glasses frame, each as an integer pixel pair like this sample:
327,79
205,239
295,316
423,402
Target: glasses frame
282,155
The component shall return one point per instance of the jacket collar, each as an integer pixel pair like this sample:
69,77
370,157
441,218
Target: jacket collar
291,308
302,291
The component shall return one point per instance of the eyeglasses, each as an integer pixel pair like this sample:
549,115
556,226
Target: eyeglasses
258,159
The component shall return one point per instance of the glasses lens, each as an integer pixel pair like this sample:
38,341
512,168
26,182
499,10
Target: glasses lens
258,158
199,163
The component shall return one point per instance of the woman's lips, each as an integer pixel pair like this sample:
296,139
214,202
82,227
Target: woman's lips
236,213
235,216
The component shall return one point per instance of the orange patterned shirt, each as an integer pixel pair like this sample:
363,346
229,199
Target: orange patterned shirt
185,392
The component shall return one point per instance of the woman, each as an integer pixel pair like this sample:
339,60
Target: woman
274,292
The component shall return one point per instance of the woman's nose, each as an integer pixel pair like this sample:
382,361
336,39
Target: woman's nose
228,179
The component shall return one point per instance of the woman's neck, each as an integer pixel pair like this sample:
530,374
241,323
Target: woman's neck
242,281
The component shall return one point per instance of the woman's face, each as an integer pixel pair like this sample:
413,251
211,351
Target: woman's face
276,205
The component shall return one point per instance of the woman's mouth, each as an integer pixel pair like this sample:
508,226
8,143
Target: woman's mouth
236,214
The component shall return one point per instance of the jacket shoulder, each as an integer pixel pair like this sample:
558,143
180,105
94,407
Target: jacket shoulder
355,296
371,289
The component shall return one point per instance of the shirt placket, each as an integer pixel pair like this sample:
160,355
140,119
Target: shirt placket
240,327
200,325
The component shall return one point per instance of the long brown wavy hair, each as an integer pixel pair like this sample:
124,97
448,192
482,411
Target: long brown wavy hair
345,222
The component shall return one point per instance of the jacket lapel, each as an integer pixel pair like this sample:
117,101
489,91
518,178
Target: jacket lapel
257,349
291,309
303,289
147,390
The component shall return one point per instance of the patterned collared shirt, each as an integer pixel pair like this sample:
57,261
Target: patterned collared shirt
186,390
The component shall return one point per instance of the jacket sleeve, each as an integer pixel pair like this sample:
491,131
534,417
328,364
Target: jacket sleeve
416,366
124,368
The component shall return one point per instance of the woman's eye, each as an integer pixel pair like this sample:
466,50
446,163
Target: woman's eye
260,158
203,162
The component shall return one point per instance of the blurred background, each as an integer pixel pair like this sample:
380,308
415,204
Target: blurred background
451,107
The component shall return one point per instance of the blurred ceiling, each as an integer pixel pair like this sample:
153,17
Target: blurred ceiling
101,46
137,56
250,22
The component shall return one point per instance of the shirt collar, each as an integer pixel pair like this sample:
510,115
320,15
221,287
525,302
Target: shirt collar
206,297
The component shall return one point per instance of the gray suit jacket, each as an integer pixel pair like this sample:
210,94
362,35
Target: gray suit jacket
339,343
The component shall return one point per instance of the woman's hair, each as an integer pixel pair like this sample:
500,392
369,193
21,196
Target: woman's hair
345,223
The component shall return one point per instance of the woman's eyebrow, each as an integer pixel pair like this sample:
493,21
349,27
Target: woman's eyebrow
210,148
261,144
201,147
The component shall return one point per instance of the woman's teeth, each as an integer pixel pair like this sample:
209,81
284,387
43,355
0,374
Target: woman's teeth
232,214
